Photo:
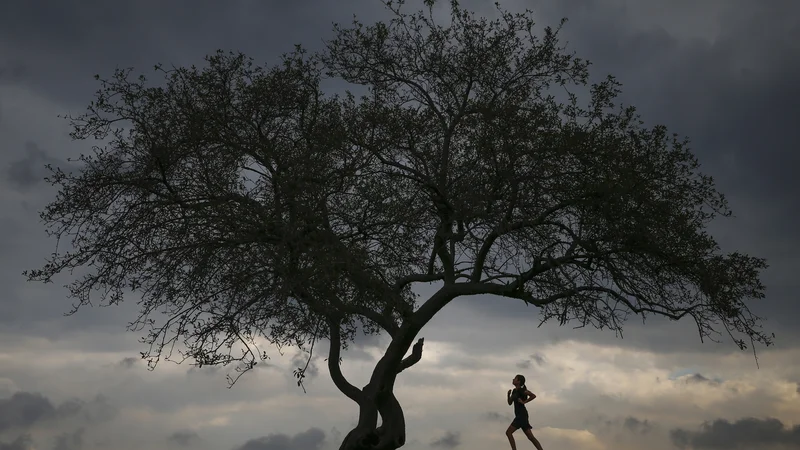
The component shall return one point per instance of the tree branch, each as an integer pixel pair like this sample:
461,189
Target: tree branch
383,321
416,278
352,392
500,230
416,355
514,289
364,279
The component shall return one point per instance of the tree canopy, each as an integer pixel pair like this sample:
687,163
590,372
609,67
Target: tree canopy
243,202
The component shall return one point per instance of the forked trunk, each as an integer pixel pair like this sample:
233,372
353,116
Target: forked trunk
390,435
378,399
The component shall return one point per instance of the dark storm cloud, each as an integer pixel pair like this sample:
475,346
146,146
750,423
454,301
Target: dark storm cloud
30,170
93,411
637,426
23,442
697,88
449,440
63,45
311,439
11,72
25,311
538,358
129,362
184,437
735,98
70,441
25,409
698,378
746,433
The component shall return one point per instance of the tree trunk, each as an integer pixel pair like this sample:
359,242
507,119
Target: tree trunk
391,435
378,399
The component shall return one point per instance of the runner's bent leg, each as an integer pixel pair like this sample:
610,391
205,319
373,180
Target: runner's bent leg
509,434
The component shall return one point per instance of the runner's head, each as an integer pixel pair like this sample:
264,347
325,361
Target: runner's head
519,381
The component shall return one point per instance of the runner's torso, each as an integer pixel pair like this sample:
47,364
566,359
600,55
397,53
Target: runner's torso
519,408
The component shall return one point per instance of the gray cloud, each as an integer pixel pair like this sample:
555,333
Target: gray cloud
635,425
336,435
62,54
129,362
311,439
732,93
70,441
29,171
357,349
602,424
538,358
23,442
12,72
205,370
299,361
97,410
699,378
745,433
25,409
735,97
449,440
496,417
696,88
644,59
183,437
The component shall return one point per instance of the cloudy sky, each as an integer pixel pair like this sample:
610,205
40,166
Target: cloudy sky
723,72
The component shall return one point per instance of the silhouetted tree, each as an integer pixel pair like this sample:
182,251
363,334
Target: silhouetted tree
245,204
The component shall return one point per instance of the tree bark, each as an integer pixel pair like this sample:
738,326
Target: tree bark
390,435
378,399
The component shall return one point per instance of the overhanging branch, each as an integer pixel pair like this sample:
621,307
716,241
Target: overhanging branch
514,289
416,278
506,228
382,320
352,392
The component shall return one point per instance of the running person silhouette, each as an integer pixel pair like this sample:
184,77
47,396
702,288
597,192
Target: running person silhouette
519,396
